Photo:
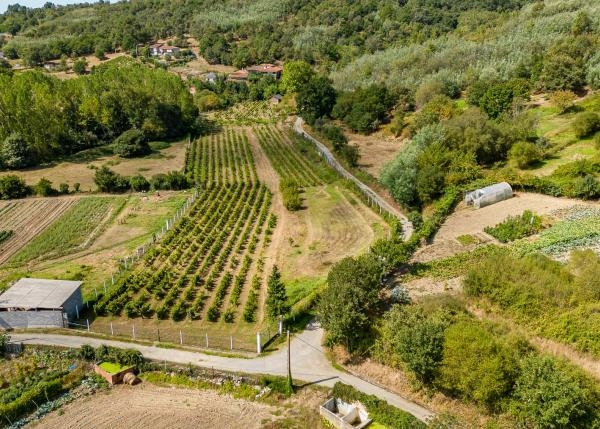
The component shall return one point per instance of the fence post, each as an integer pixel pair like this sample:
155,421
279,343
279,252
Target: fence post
88,324
77,310
258,343
180,337
280,330
96,292
105,286
207,340
133,330
112,332
158,334
231,342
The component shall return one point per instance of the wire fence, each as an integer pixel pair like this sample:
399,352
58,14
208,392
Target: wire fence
197,339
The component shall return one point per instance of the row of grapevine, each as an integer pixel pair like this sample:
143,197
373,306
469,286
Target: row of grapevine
221,158
286,158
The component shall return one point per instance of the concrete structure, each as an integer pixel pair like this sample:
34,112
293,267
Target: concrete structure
272,70
160,49
40,303
489,195
113,377
343,415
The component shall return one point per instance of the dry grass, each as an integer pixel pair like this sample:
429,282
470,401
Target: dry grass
78,168
375,150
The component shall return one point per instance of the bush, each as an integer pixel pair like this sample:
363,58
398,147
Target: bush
290,191
139,183
515,227
12,186
525,153
109,181
131,143
44,188
76,186
15,152
585,124
563,100
172,181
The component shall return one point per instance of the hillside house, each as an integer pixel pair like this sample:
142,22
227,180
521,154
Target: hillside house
160,50
272,70
239,75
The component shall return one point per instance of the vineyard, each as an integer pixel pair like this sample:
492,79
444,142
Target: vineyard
75,229
209,266
251,112
293,158
221,158
27,219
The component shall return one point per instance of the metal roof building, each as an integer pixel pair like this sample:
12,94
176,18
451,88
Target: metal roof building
41,294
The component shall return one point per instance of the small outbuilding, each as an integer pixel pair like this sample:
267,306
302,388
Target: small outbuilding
489,195
115,373
342,415
40,303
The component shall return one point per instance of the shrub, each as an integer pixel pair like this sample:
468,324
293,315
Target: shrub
131,143
585,124
172,181
63,188
109,181
563,100
290,192
515,227
139,183
525,153
12,186
15,152
44,188
76,186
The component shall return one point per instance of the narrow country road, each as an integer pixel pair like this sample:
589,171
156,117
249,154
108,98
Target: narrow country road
309,362
407,226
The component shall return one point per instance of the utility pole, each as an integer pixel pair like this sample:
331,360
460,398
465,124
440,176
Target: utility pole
289,364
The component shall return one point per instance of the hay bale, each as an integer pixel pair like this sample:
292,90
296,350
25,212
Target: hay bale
130,379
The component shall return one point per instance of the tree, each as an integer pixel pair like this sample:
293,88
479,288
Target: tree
296,74
15,152
131,143
12,186
316,99
277,303
79,66
349,300
63,188
550,395
99,53
563,100
582,24
525,153
561,71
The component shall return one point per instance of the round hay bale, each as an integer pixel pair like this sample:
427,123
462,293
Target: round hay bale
130,379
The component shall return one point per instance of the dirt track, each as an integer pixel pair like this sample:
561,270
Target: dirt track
148,406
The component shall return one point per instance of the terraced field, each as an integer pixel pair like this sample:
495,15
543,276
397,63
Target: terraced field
27,219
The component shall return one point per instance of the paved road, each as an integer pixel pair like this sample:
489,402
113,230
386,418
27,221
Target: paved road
407,226
309,362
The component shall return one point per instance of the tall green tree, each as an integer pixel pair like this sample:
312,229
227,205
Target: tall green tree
277,302
316,99
296,74
350,299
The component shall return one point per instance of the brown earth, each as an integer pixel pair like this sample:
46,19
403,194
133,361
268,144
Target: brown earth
146,406
375,150
28,218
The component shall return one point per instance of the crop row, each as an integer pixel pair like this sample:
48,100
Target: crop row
198,259
221,158
286,158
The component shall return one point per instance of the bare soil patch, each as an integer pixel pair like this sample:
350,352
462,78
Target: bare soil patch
376,150
467,221
146,406
70,172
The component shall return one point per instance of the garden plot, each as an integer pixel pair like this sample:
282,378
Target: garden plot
27,219
463,230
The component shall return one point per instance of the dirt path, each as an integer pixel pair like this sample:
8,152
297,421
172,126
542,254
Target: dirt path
267,175
146,405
